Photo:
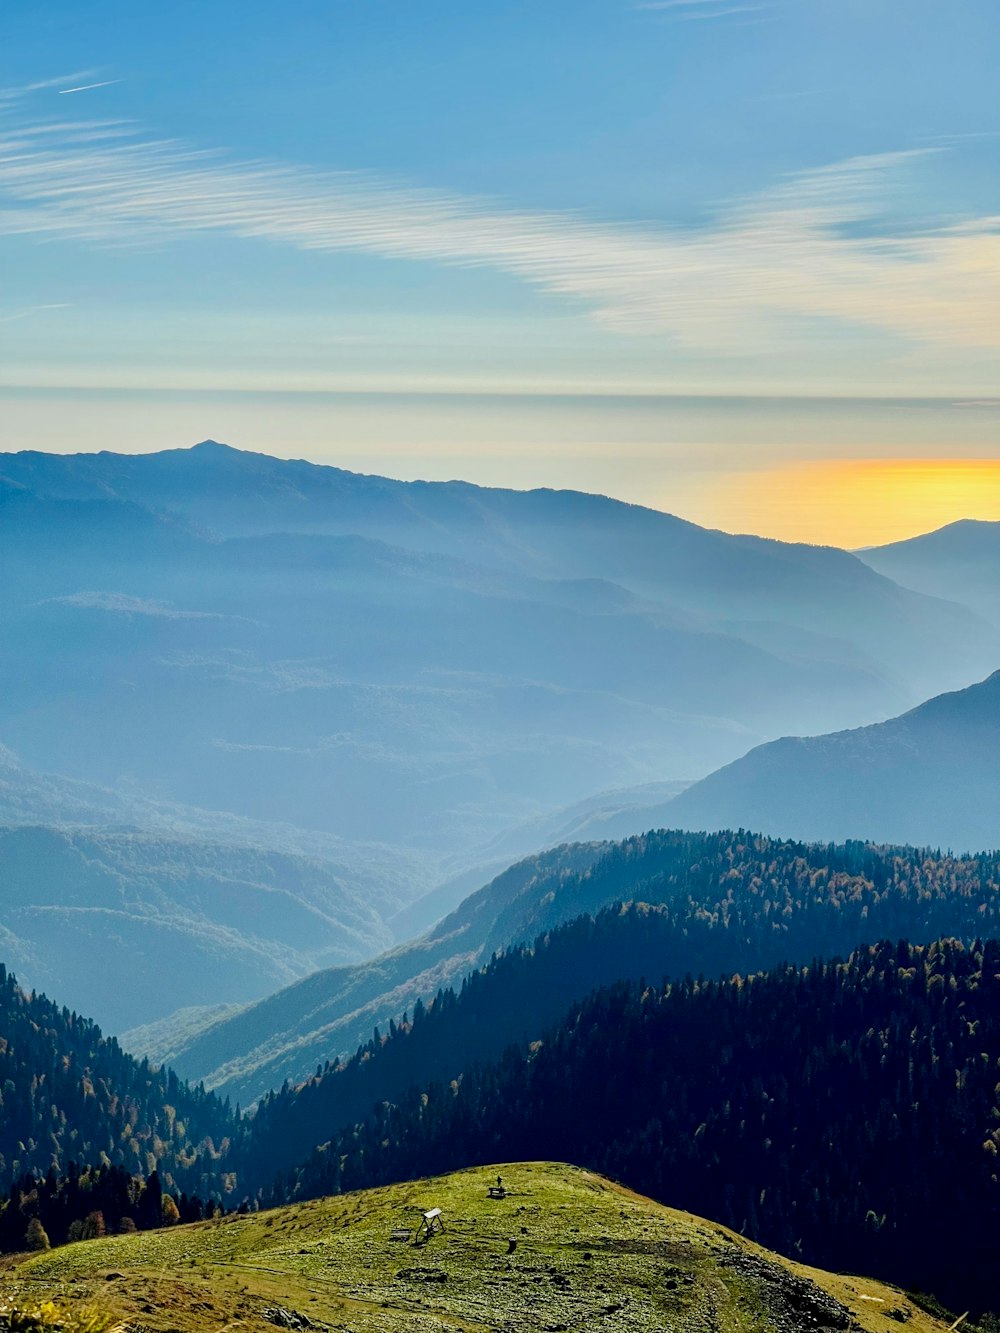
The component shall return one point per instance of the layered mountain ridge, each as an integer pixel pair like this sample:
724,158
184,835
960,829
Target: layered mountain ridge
710,903
404,682
928,776
960,561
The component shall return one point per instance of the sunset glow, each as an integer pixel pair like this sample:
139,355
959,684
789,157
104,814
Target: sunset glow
856,502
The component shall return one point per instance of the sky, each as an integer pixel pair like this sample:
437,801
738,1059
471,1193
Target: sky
737,259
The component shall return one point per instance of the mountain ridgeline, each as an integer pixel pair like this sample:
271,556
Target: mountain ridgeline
724,903
682,904
959,561
929,776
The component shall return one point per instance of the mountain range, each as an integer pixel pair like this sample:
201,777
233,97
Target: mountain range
167,916
391,691
130,905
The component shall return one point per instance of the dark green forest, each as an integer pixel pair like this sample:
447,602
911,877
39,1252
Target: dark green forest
706,904
847,1114
68,1094
745,877
83,1205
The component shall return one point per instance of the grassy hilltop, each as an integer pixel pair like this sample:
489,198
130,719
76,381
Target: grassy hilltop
566,1250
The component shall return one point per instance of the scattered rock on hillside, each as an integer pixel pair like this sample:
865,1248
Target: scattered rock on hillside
282,1318
796,1304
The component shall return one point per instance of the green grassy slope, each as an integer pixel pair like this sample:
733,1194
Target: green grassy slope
566,1250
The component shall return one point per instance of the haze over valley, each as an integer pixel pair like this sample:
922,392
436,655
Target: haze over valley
390,691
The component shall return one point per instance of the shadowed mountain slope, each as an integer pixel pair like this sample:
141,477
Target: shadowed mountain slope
846,1112
718,903
929,777
286,1034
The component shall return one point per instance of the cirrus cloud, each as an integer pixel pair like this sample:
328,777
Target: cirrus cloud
796,253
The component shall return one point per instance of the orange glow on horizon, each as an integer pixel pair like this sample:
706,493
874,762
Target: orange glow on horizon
854,502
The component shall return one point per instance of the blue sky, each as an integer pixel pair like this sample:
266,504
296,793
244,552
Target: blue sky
344,204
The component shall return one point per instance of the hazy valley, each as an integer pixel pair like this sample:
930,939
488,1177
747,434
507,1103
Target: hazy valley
454,668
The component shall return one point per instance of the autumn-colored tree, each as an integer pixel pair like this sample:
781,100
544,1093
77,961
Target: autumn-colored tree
35,1237
93,1226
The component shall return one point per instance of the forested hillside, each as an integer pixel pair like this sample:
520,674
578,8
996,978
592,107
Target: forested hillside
88,1203
801,1105
69,1095
844,1113
700,905
732,902
286,1034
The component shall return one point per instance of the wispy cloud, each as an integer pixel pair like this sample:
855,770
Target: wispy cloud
19,91
30,310
684,10
762,270
88,87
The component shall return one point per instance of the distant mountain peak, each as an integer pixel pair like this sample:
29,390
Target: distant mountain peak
213,447
927,777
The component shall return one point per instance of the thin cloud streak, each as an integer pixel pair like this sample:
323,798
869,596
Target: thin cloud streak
700,10
88,87
721,13
678,4
762,274
30,310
